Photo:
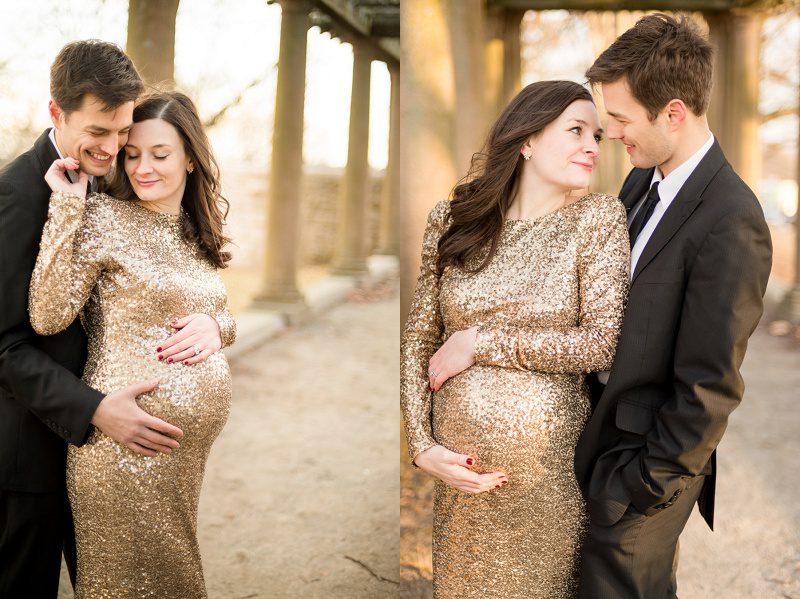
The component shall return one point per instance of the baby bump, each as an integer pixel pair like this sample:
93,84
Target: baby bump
195,398
513,420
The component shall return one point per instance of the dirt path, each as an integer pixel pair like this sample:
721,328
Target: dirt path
755,549
300,494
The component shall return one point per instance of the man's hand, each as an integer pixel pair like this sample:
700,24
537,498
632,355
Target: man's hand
121,418
197,338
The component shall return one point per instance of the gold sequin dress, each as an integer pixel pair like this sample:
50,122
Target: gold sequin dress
548,309
129,272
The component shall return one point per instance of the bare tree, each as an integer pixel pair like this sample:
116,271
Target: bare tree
151,38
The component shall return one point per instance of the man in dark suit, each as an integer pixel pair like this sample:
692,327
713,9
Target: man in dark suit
43,403
700,258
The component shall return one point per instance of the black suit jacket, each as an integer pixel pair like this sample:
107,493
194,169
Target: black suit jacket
43,403
695,299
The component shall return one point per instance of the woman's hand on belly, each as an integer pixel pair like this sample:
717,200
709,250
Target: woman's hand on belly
197,338
454,357
453,469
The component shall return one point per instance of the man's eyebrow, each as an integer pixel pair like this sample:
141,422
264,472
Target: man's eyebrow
98,129
616,115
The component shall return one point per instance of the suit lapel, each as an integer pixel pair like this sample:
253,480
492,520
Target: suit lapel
687,200
45,151
635,187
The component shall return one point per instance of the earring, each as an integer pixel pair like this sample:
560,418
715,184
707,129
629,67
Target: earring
526,155
190,170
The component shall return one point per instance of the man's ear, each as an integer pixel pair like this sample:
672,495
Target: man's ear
676,113
56,114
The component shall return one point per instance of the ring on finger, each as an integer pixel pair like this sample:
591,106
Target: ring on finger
432,374
196,349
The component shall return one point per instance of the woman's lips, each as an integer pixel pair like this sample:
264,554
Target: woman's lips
146,183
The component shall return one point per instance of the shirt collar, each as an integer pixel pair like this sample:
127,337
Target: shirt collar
669,186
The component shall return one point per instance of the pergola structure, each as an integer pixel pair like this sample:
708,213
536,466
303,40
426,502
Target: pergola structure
373,29
462,64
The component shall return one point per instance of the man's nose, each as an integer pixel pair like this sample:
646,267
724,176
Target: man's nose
110,145
614,131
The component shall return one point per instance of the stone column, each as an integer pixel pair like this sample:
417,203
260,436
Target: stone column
280,281
503,58
512,55
733,114
350,254
427,168
718,35
466,21
791,303
388,237
614,164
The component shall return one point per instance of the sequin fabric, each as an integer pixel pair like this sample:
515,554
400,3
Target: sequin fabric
548,308
128,271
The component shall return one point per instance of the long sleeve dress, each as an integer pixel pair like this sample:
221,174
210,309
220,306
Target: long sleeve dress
548,308
128,271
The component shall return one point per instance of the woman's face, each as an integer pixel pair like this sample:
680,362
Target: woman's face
156,163
564,153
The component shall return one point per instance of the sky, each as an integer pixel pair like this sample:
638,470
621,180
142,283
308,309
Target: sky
220,48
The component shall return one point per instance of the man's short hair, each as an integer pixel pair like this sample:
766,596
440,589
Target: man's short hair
93,67
660,58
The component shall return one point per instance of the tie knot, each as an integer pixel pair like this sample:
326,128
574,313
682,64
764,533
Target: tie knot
654,190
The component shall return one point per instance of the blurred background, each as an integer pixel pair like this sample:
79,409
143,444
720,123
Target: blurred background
463,60
300,101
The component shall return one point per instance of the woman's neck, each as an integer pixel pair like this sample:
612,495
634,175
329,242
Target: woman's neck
165,207
533,198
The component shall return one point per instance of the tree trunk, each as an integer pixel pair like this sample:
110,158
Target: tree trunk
151,39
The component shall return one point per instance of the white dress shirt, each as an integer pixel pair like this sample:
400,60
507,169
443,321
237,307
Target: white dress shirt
668,188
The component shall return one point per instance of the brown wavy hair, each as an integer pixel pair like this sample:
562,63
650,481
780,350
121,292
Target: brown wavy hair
482,198
202,201
661,57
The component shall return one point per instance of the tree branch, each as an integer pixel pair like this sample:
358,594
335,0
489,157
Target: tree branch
217,116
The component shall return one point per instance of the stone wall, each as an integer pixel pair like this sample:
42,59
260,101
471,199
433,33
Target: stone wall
248,194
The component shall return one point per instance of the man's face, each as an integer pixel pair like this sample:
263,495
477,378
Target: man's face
91,135
647,142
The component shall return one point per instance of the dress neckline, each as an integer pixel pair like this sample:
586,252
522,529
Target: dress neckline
544,216
161,216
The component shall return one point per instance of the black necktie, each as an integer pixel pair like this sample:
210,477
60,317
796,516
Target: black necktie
644,214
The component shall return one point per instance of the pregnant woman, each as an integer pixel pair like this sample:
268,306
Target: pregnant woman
521,293
128,262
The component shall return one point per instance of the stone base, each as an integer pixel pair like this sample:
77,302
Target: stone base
789,308
350,268
290,305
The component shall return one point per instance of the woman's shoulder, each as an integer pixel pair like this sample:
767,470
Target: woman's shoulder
601,207
104,211
102,202
439,216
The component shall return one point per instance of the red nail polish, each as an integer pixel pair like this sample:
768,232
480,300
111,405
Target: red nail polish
169,360
505,482
158,349
186,363
470,461
160,357
497,486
